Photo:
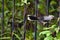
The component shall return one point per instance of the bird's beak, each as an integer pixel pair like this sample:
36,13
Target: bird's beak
53,18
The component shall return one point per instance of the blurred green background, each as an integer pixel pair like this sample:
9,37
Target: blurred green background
43,33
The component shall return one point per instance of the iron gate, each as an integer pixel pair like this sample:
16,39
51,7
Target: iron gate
13,11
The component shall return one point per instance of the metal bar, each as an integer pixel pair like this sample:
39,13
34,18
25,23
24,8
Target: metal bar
2,17
59,13
35,27
13,19
47,11
24,21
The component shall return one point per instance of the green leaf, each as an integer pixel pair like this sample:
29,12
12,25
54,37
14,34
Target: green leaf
45,32
17,36
58,35
53,3
17,4
53,26
49,38
5,38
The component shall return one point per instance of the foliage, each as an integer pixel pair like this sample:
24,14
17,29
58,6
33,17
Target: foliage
43,32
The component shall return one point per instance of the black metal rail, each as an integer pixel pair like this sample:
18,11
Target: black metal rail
47,11
2,17
59,13
36,12
13,12
24,21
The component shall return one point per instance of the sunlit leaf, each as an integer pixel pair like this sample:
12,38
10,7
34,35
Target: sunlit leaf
45,32
53,3
17,36
49,38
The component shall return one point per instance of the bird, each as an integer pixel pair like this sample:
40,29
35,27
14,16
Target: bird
42,19
34,18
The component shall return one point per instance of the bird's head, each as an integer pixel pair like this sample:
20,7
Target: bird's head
51,16
28,15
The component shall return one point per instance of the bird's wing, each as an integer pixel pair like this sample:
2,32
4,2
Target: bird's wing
46,18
